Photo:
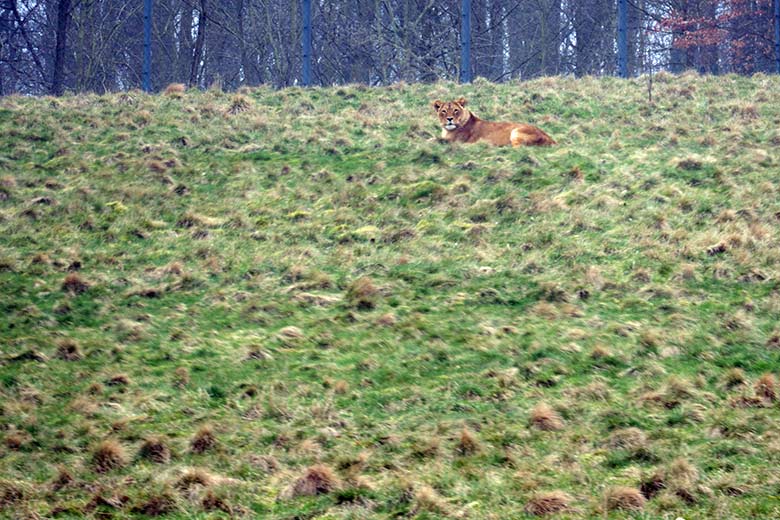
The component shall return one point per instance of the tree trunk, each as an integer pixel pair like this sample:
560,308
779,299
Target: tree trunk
497,10
361,63
197,55
585,28
634,37
185,42
551,43
709,53
63,17
681,58
294,48
250,76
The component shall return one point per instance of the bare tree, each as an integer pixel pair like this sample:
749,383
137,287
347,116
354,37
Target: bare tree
47,46
197,54
63,17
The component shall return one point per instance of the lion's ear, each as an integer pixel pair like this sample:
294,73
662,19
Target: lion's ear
437,105
461,102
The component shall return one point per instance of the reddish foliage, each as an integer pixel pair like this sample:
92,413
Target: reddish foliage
741,30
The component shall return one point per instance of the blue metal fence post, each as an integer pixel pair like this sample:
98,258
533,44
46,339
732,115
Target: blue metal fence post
465,41
147,68
777,36
622,38
306,43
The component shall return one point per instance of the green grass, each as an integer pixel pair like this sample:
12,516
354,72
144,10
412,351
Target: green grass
321,281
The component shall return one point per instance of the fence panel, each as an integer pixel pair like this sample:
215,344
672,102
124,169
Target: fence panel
374,42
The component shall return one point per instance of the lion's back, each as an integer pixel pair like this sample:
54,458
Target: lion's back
515,134
530,135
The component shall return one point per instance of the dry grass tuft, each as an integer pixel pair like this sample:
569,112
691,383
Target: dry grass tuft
10,493
7,182
107,456
548,503
62,480
545,418
295,273
317,480
352,466
653,485
194,477
319,300
735,377
118,380
633,440
213,502
681,473
155,450
386,320
576,175
766,387
181,377
362,294
427,447
427,500
112,501
747,401
340,387
174,268
679,479
290,335
257,353
688,272
239,103
157,166
545,310
13,441
309,448
204,440
624,498
73,283
129,330
553,292
597,390
717,249
268,464
157,505
649,339
68,350
467,444
175,89
40,259
678,387
730,487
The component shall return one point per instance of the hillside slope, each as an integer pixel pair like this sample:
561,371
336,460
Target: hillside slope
302,304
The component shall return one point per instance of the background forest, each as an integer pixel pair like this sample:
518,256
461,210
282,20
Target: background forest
49,46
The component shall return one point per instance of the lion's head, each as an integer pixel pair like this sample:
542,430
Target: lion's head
452,114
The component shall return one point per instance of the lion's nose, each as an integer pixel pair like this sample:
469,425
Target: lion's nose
449,119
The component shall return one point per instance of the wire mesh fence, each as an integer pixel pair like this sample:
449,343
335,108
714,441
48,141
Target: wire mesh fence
50,46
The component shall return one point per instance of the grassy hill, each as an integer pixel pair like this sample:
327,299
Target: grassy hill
302,304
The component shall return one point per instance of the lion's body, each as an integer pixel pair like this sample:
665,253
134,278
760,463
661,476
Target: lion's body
461,126
498,134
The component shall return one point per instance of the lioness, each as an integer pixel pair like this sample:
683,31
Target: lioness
460,125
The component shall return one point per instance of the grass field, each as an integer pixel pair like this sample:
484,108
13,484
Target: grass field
301,304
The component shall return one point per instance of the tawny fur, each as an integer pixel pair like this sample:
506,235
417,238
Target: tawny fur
460,125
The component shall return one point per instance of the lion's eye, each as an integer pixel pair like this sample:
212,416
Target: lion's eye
443,112
457,112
